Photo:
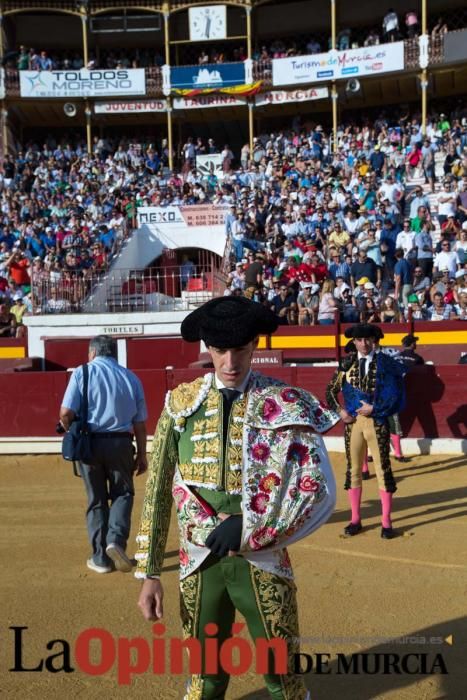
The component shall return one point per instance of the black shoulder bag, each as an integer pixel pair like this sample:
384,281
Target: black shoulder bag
76,444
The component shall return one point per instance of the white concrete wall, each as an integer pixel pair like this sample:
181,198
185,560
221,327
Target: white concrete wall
88,325
146,244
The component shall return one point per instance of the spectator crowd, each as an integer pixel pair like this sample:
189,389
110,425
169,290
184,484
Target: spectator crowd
373,231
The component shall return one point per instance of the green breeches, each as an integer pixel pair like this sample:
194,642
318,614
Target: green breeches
266,601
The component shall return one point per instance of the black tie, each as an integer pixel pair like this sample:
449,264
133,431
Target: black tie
362,367
228,397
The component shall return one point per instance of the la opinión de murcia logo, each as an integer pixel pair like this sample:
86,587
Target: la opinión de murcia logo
97,652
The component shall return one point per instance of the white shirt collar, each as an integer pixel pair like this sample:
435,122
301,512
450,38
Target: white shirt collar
368,357
241,387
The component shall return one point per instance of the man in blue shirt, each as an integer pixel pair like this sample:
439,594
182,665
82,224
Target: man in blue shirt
402,278
116,412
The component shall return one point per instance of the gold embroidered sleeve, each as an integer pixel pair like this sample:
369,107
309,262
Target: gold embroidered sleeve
157,505
333,389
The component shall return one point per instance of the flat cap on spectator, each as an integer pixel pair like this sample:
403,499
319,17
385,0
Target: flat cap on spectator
369,285
228,322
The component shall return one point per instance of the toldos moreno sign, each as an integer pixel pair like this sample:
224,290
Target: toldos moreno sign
82,83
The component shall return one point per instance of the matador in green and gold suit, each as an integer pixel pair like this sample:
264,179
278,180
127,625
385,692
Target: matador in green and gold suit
256,457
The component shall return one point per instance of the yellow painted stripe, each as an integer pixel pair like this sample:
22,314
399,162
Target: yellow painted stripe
12,353
442,337
302,341
279,342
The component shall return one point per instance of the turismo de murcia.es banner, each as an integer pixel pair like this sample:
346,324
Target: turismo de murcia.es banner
82,83
333,65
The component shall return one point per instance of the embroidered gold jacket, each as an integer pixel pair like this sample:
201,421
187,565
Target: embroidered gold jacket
273,459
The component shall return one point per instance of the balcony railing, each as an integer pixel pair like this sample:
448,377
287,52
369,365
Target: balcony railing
262,70
118,291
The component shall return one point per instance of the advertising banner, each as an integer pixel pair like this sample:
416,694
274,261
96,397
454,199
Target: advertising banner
276,97
159,215
335,65
130,107
212,75
208,101
196,215
82,83
204,215
210,163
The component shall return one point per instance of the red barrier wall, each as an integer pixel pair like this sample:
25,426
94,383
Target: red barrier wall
436,405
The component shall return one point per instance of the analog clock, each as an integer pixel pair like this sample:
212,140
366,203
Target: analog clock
208,22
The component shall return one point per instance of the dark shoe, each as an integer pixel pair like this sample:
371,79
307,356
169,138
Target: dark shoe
118,556
353,529
370,458
387,533
366,476
402,459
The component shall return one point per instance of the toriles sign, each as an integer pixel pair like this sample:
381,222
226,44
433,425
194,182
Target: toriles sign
335,65
82,83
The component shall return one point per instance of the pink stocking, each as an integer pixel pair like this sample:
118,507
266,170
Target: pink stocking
386,505
355,497
396,443
365,462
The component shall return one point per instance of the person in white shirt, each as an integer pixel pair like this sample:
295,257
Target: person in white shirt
447,203
460,246
389,190
406,240
447,259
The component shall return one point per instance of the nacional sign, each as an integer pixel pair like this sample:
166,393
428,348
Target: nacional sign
277,97
82,83
130,107
196,215
338,65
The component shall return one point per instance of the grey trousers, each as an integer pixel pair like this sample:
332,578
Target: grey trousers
109,478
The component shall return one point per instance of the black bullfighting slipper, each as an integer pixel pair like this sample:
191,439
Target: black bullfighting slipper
402,459
387,533
366,476
353,529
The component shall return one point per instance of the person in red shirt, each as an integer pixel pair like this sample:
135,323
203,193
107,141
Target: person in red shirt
18,268
318,269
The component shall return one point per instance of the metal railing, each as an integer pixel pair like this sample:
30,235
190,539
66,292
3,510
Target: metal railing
118,291
262,70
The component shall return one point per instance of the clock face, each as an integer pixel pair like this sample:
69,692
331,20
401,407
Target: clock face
207,23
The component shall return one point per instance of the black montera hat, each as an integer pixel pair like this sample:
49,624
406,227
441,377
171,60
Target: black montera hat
409,340
228,322
364,330
350,347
